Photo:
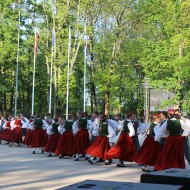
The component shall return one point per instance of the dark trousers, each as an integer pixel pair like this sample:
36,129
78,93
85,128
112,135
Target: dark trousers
136,142
186,145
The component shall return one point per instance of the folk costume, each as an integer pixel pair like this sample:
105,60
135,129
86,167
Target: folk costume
39,137
81,140
101,146
150,150
66,141
125,149
172,155
30,129
6,133
54,136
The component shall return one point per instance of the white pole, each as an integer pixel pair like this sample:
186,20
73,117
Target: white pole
68,72
51,71
17,63
85,68
34,68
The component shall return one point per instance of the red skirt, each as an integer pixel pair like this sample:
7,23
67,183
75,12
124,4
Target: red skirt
5,134
99,148
149,152
81,142
124,149
39,138
17,135
172,155
52,142
65,144
28,137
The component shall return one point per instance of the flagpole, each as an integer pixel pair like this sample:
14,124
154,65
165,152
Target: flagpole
51,71
17,63
68,73
34,69
85,49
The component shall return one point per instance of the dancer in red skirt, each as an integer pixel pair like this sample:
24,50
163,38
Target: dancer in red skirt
39,134
16,135
81,140
53,140
172,155
6,130
30,128
66,141
150,149
125,149
100,147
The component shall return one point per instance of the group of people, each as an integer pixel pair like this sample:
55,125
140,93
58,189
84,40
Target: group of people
100,139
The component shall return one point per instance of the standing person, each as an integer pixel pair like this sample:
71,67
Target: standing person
119,122
30,128
100,147
172,155
66,141
6,133
48,119
39,134
94,127
136,126
150,150
25,125
53,140
81,140
186,139
2,122
125,149
16,135
160,131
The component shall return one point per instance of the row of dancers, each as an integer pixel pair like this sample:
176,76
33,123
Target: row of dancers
105,139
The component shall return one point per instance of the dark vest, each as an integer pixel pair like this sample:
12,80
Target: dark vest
125,126
55,128
135,125
151,131
174,127
68,125
82,123
103,129
38,123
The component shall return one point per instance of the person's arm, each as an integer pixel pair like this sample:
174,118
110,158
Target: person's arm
45,125
131,129
49,130
111,132
113,124
185,127
75,128
160,131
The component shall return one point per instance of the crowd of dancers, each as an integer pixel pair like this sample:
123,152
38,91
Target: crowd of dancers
100,139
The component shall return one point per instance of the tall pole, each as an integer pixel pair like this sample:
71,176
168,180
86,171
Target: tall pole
17,64
68,72
51,71
34,69
85,49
